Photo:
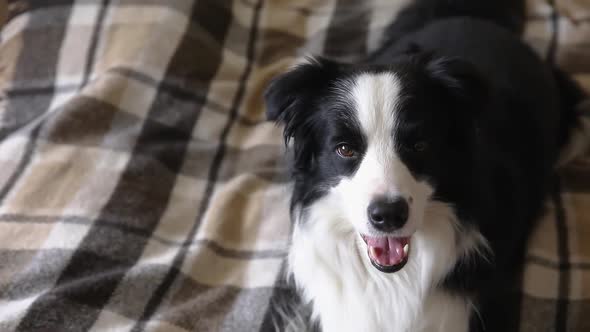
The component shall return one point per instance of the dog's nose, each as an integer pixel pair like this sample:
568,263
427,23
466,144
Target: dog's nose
388,215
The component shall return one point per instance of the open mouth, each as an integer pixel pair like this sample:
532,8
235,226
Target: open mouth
387,253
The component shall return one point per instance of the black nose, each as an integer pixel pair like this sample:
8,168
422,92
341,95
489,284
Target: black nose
388,215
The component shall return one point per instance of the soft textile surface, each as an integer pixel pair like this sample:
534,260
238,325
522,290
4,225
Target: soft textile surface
141,188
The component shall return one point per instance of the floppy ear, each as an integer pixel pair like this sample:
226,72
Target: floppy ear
291,100
289,96
460,79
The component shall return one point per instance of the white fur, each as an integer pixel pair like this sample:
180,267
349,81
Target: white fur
328,257
329,262
381,172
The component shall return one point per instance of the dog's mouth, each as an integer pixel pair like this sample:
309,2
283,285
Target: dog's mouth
387,253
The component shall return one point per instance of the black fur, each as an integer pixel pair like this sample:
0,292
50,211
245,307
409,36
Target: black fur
493,114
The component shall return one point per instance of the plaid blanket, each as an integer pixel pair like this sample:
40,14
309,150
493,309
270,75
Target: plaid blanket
142,189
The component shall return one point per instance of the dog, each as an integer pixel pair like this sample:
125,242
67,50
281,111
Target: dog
419,172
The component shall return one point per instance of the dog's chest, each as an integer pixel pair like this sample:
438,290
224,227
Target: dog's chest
438,312
347,294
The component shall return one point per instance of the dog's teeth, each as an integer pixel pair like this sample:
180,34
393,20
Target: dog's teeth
406,249
372,252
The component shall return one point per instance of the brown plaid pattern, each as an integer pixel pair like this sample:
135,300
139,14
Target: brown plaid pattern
142,189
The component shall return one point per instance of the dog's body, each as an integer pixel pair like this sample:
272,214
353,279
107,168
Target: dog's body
419,173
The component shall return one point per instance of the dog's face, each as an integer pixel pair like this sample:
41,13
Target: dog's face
374,146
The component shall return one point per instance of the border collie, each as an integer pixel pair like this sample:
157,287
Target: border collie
419,172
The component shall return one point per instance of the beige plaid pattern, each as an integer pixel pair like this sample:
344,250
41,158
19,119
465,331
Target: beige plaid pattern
142,189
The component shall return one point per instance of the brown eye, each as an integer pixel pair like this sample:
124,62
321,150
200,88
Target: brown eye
420,146
345,151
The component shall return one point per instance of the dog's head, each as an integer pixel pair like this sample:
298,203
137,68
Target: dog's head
375,145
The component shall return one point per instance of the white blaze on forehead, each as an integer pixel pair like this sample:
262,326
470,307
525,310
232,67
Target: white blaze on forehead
376,98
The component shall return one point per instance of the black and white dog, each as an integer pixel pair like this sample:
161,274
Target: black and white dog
418,173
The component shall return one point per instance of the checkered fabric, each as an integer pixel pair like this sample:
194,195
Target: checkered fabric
142,189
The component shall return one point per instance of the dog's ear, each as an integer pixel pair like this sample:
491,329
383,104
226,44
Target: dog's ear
292,99
459,79
289,96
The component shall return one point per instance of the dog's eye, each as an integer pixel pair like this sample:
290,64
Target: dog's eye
420,146
345,151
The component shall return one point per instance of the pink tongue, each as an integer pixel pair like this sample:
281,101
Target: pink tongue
387,251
